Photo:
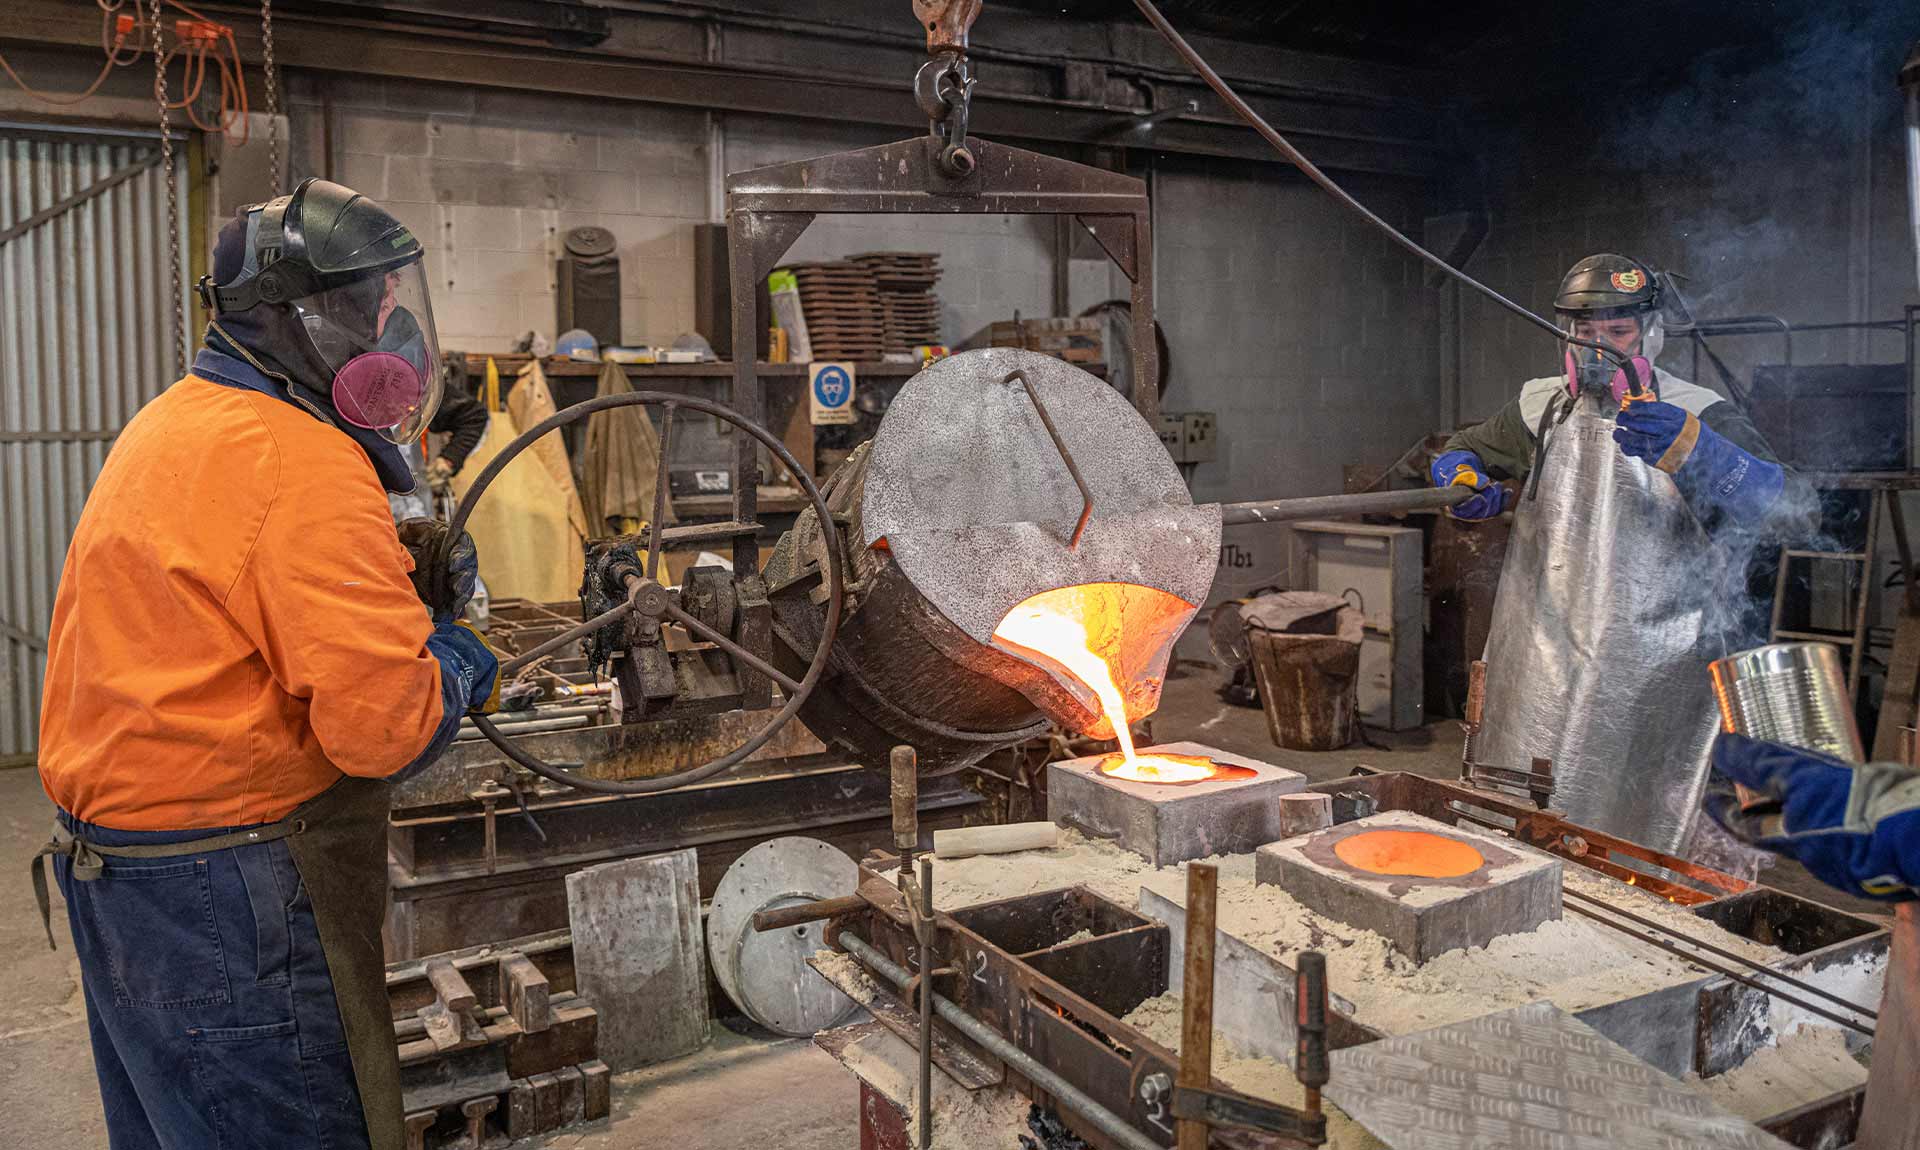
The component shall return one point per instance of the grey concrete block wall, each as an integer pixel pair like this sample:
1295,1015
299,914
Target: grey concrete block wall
493,180
1308,332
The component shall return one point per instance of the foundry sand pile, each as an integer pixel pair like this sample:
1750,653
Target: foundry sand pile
1571,962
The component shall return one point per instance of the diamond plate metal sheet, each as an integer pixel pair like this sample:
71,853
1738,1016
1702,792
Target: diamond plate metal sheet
1532,1077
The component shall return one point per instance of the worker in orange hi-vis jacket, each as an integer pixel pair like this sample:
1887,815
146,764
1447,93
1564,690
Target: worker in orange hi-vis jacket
240,664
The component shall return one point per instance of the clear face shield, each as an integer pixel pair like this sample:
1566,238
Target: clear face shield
1591,372
377,336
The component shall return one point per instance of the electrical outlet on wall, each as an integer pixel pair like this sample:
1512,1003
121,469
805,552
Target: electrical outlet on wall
1197,428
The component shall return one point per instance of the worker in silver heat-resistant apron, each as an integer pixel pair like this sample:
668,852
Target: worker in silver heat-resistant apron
1625,573
239,662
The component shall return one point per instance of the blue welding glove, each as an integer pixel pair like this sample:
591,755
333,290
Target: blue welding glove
1710,471
469,684
469,670
1855,828
1464,469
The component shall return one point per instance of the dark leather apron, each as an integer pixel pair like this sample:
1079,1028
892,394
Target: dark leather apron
338,840
341,854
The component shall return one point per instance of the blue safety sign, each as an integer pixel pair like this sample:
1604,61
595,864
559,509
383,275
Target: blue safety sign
831,394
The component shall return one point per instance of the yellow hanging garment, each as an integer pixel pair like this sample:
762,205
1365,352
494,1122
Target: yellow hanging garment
524,525
530,402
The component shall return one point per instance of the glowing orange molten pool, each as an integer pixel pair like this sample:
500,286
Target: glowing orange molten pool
1056,624
1416,854
1172,770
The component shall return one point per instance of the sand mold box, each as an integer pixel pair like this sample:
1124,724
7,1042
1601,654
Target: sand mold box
1573,962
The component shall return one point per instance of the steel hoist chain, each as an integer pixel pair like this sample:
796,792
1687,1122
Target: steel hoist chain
271,79
175,324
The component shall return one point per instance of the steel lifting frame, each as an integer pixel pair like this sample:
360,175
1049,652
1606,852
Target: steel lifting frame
768,209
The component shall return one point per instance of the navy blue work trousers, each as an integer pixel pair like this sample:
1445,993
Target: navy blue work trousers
212,1013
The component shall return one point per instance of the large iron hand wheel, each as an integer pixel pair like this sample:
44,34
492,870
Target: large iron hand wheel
646,594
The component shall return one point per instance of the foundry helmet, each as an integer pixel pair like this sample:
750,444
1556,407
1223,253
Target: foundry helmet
354,279
1604,287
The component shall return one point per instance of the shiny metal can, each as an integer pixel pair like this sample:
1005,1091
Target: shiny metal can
1793,693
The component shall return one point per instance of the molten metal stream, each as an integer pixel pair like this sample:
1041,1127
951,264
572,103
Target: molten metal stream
1063,638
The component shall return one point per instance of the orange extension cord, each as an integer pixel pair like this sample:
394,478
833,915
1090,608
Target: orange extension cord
201,45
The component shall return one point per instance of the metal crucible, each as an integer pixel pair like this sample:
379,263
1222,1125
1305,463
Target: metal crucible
998,478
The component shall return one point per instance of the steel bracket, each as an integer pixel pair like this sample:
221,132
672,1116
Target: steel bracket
1235,1111
768,209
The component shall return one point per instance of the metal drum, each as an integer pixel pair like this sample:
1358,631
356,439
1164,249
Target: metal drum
766,973
1793,693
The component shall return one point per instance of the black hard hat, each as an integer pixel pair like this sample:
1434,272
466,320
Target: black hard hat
1607,285
322,236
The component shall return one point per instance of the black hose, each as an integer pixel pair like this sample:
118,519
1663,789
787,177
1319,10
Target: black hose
1312,171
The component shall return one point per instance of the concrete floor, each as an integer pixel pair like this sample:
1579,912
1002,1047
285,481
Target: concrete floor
743,1090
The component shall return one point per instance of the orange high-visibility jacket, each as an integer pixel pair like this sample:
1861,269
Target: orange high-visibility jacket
235,627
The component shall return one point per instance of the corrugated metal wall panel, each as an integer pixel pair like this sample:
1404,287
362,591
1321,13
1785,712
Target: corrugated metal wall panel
84,337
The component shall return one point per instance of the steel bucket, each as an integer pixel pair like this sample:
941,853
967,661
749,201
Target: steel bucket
1793,693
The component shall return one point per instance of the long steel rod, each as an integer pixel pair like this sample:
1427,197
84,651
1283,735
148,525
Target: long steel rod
1060,445
1343,506
787,682
1029,1067
1667,945
1729,955
804,912
571,634
469,734
923,935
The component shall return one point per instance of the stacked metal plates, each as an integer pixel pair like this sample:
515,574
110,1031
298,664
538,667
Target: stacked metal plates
842,306
910,309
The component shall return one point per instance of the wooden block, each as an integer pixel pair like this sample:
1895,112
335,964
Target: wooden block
520,1110
526,993
546,1102
596,1084
573,1038
449,988
639,956
1304,813
573,1097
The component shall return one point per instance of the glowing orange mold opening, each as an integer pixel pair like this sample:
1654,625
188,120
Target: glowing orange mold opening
1416,854
1172,770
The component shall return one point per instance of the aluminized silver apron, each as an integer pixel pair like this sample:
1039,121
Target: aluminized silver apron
1597,657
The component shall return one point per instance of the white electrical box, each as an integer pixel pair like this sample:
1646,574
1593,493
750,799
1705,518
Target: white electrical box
1378,570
